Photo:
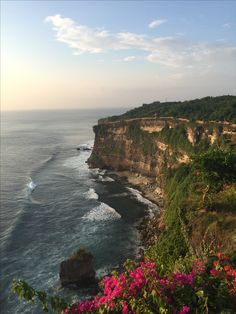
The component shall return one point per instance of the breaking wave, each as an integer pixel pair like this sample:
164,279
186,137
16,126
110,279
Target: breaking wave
151,206
103,212
91,194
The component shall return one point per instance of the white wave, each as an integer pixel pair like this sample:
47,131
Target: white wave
91,194
98,171
85,146
78,162
105,179
151,206
118,195
31,185
88,145
103,212
95,170
50,158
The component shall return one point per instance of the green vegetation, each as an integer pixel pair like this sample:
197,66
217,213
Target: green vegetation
208,109
29,294
101,130
208,183
176,139
144,140
216,167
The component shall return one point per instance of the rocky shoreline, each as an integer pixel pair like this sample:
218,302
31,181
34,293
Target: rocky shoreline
74,277
150,227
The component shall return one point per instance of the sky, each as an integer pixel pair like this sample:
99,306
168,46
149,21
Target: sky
97,54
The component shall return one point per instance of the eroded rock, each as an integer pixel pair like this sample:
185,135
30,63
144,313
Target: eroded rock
78,270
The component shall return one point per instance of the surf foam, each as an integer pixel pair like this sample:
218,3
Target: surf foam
78,162
31,186
91,194
103,212
151,206
105,179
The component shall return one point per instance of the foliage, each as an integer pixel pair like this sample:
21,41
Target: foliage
146,141
172,243
208,108
210,287
216,166
101,130
170,246
225,199
176,137
24,291
199,184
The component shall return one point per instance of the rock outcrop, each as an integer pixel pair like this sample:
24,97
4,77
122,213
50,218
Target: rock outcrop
78,270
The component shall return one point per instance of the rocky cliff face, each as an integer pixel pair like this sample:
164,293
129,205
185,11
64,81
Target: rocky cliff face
148,146
143,150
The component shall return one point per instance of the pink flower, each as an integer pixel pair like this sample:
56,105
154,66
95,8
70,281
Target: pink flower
125,309
185,309
214,272
226,267
221,256
112,305
216,263
198,267
184,279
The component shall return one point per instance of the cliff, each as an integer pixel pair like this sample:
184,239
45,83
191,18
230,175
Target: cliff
156,154
148,146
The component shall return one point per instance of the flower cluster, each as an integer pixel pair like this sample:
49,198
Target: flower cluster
222,269
143,290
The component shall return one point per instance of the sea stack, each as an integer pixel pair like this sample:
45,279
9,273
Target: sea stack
78,270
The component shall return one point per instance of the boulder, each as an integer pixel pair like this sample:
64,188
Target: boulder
78,270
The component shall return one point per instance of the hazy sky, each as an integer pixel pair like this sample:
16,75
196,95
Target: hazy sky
88,54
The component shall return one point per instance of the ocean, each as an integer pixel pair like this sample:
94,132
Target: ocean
52,203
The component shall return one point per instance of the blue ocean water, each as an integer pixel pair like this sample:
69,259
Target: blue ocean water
53,204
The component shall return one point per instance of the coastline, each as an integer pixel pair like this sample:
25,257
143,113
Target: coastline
150,226
146,185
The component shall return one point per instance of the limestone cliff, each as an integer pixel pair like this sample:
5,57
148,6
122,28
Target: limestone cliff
148,146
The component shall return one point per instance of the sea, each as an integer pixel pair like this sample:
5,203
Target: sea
52,204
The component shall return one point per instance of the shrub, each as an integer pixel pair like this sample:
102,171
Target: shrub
210,287
216,166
